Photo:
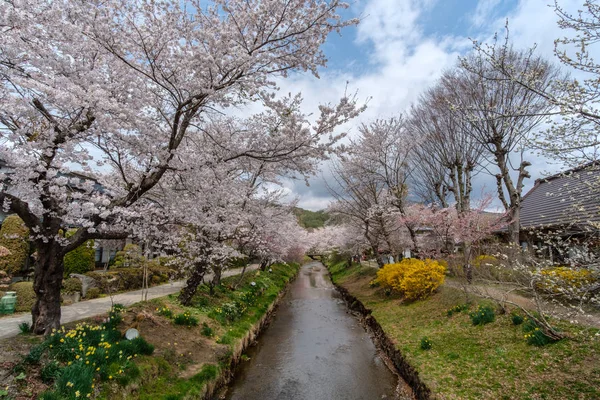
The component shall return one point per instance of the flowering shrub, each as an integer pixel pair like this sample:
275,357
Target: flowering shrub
165,312
565,279
185,319
483,315
425,343
457,309
414,279
80,357
248,298
534,335
484,260
231,311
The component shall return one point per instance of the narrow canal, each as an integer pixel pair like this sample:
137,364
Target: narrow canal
313,350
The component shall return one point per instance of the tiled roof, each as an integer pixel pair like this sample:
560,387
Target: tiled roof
571,198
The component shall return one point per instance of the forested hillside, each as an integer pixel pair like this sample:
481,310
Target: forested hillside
311,219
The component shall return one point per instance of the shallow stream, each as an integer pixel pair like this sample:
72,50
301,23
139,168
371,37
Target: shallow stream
314,349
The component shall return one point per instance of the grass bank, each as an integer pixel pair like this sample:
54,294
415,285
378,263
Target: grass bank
187,352
491,361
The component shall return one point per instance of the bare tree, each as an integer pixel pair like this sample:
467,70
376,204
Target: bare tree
503,114
382,154
447,151
359,198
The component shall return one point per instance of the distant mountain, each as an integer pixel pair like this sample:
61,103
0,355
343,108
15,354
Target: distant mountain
311,219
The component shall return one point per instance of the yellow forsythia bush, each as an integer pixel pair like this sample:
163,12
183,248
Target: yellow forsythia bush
414,279
484,260
553,279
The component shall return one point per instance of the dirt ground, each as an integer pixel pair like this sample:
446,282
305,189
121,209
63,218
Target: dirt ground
14,384
183,347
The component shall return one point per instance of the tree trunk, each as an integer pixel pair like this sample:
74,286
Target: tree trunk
414,238
49,271
264,264
191,285
239,281
468,267
218,272
514,227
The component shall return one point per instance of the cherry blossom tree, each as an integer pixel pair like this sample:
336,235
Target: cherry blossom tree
96,99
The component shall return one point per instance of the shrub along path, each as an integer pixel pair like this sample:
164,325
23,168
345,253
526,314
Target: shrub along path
9,326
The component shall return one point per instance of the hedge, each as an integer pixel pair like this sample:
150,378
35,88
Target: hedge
71,285
122,279
25,296
130,257
80,260
14,236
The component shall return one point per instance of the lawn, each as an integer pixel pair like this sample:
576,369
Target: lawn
491,361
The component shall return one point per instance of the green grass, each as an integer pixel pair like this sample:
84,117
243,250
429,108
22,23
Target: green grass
162,380
311,219
165,387
492,361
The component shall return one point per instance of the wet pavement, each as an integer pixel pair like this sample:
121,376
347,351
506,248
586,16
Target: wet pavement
313,350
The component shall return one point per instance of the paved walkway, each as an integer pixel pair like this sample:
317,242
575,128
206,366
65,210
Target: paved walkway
9,326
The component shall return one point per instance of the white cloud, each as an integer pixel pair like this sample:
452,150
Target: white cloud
404,61
484,12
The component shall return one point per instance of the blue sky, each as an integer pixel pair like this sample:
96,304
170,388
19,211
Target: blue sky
401,47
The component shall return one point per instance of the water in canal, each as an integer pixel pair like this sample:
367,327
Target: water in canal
313,350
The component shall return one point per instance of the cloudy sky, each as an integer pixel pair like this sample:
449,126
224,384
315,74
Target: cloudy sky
402,46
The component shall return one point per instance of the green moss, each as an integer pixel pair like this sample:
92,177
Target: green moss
14,236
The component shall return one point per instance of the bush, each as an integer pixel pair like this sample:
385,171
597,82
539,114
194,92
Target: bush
123,279
24,327
457,309
185,319
516,319
71,285
207,330
414,279
425,343
130,257
25,296
563,279
165,312
534,335
93,293
484,260
483,315
80,260
14,236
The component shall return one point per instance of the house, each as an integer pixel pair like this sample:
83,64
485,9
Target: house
563,207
